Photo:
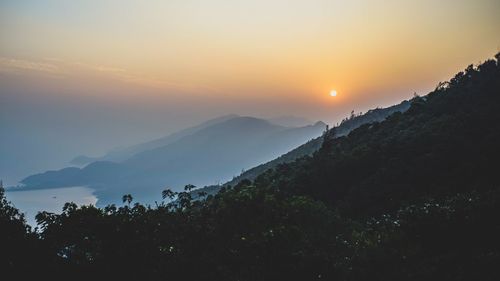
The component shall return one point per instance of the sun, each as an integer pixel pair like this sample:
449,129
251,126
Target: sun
333,93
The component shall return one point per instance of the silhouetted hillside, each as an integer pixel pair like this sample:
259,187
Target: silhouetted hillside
308,148
445,143
349,124
413,197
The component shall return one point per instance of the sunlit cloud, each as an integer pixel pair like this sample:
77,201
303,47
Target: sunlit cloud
56,67
110,69
11,64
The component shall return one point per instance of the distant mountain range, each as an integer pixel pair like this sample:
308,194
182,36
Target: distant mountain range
413,197
122,154
226,149
310,147
212,152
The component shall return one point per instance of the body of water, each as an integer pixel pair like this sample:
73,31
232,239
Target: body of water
30,202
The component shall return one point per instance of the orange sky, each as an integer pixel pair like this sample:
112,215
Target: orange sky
290,53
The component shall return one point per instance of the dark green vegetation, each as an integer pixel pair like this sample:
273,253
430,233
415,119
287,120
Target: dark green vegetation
415,197
307,149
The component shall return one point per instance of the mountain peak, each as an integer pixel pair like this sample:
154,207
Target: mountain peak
320,123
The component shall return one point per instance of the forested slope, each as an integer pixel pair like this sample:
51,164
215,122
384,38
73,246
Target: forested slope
414,197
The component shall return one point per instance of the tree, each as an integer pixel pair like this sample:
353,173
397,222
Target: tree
127,198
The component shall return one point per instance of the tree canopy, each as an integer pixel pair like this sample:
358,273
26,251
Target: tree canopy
413,197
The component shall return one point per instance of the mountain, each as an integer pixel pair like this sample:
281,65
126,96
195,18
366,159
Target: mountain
308,148
346,126
82,160
122,154
210,153
445,143
413,197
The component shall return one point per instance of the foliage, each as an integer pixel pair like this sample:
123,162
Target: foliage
307,149
414,197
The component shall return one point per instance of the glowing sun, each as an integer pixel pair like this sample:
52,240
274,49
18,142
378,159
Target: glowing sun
333,93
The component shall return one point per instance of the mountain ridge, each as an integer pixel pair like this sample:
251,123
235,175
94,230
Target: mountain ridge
209,154
308,148
122,154
413,197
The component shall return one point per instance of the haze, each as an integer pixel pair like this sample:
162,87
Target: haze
83,77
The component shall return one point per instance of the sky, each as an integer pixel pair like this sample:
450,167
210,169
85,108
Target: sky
84,76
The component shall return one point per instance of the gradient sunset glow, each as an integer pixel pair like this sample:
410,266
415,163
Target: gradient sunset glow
293,49
157,66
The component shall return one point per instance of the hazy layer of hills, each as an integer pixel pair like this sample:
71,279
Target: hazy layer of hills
122,154
308,148
212,152
413,197
345,127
